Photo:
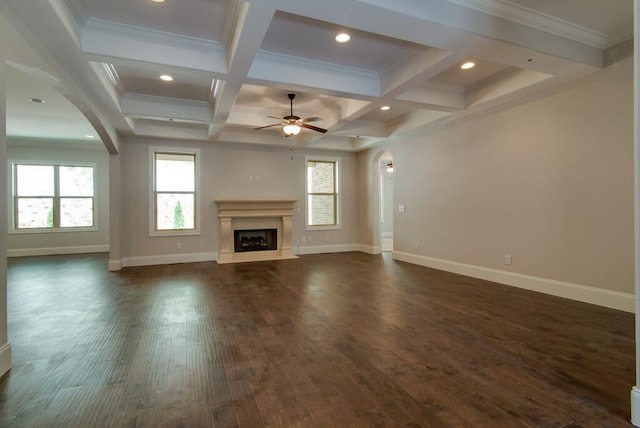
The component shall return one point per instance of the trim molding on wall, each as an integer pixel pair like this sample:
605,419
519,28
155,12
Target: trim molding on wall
635,406
5,358
320,249
369,249
167,259
84,249
596,296
114,265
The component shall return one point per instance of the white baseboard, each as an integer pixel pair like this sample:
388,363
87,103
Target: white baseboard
596,296
84,249
114,265
5,358
166,259
635,406
321,249
369,249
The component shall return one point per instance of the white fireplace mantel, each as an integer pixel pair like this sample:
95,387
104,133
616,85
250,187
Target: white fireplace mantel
240,214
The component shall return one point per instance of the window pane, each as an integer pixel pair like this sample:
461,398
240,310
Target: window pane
175,211
35,213
175,172
320,177
321,210
34,180
76,181
76,212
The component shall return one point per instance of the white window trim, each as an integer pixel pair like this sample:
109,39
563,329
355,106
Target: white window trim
152,202
338,177
13,230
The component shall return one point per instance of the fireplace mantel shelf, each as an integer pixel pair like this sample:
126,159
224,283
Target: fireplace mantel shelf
233,212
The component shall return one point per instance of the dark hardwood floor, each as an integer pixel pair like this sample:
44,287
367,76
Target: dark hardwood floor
337,340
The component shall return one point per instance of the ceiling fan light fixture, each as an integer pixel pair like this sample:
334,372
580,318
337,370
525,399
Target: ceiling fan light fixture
291,129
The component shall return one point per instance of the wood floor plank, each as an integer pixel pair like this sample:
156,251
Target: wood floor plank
326,340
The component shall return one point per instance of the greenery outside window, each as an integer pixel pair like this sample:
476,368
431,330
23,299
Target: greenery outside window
175,190
323,205
48,197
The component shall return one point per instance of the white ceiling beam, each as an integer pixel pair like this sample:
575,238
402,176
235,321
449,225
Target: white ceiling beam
448,24
510,82
247,26
433,97
272,67
137,105
171,130
104,40
362,128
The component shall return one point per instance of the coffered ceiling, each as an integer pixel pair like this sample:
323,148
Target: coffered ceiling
97,65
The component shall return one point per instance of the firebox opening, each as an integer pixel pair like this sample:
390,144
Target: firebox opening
255,240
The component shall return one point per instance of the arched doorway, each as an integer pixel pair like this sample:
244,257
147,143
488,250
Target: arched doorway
382,207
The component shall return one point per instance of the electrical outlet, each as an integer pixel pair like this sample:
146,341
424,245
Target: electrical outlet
416,246
179,245
507,259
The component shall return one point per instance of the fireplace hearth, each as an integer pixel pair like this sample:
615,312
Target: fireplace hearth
255,240
250,215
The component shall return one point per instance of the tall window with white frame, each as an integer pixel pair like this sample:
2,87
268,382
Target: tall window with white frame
174,192
322,193
53,196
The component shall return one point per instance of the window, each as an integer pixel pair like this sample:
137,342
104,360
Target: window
53,196
322,193
174,199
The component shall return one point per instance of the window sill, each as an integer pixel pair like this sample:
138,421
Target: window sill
52,230
331,227
165,233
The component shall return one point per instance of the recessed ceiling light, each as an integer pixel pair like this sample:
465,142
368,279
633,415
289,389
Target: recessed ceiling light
467,65
36,100
158,1
166,78
343,38
90,136
385,108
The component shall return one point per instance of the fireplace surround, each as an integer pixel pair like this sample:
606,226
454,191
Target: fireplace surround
253,214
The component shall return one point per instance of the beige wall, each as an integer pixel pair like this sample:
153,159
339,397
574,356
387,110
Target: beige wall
226,171
549,182
61,242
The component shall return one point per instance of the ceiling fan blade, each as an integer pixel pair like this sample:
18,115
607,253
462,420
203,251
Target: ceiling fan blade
268,126
314,128
311,119
274,117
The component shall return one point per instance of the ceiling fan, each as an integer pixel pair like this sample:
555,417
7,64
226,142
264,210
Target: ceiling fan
292,125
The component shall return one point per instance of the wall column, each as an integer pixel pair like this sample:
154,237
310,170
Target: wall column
115,212
635,391
5,346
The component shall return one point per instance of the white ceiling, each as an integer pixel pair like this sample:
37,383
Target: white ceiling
97,64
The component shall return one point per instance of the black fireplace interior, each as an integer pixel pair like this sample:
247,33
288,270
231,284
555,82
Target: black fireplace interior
255,240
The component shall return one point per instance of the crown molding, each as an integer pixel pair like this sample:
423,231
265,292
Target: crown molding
99,27
272,66
541,21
